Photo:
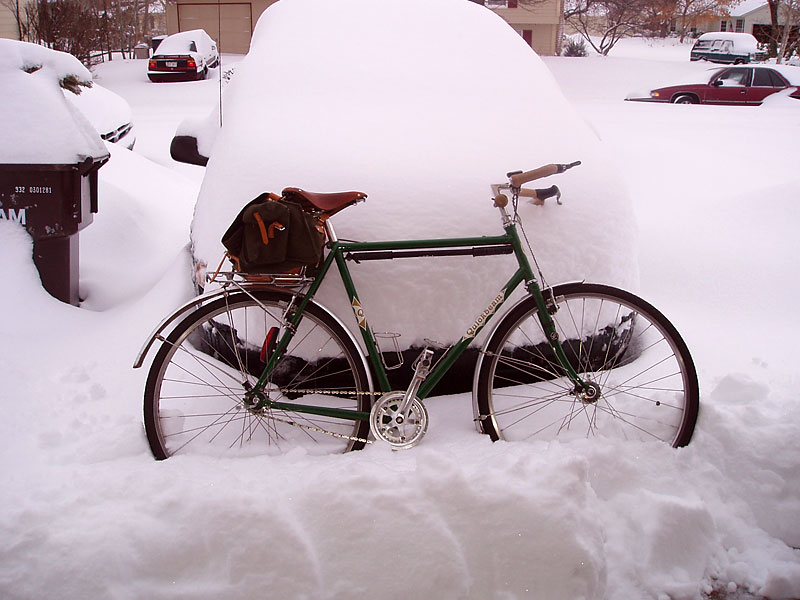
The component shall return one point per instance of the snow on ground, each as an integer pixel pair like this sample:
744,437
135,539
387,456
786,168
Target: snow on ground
87,513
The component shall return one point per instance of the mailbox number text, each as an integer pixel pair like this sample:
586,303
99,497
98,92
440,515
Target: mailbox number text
34,189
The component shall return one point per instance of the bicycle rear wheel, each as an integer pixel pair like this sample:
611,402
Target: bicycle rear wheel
195,397
643,383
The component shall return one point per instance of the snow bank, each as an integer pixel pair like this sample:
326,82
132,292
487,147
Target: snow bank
106,110
39,126
422,105
141,226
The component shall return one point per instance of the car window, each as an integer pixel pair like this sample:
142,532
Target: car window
737,76
761,78
776,78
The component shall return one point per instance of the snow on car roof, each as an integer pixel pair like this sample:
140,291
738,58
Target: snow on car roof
39,126
744,40
422,118
179,43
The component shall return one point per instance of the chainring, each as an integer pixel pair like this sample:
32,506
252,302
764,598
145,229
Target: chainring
388,424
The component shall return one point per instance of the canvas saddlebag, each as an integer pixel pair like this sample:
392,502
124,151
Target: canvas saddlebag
274,235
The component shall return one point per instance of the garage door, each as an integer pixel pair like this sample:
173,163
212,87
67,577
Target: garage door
230,24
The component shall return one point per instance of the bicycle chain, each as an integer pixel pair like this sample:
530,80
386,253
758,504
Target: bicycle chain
327,393
318,430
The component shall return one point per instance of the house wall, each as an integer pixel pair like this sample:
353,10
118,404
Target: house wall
231,22
8,23
539,25
757,16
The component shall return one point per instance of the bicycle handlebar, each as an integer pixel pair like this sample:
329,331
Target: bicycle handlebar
517,179
540,195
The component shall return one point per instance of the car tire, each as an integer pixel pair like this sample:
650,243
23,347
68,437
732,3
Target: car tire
684,99
738,61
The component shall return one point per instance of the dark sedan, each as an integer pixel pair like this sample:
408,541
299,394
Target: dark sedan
745,86
184,55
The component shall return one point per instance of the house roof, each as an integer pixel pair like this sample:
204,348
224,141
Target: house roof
746,7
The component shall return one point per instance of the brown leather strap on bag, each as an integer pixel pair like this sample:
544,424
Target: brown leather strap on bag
265,233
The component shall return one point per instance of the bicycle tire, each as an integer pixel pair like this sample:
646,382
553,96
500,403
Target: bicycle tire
629,352
194,398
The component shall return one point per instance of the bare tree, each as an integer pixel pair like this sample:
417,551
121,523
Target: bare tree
688,12
782,35
790,38
71,26
608,20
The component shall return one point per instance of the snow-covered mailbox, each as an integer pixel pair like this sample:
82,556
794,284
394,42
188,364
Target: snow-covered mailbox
49,158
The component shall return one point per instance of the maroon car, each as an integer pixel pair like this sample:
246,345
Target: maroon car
747,86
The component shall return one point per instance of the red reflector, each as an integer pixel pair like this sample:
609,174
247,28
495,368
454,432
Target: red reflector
268,347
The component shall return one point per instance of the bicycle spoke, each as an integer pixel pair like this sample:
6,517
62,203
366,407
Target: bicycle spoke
636,382
200,388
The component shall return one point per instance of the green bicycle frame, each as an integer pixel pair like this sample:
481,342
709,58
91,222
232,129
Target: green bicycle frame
341,252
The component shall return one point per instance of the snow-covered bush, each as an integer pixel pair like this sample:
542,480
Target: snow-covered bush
575,47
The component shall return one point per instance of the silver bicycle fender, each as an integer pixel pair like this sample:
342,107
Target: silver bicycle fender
197,300
178,312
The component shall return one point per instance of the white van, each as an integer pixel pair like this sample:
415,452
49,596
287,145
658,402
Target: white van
726,47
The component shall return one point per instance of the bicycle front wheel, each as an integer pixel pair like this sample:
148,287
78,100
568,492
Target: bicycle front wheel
196,393
642,382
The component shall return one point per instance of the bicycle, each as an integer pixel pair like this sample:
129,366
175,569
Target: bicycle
257,365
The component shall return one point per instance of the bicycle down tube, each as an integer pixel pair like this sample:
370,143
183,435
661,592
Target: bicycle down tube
341,252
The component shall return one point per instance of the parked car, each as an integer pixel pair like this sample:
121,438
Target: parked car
339,120
745,86
109,113
187,55
726,47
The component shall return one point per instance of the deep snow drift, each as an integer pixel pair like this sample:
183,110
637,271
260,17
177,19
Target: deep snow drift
87,513
422,118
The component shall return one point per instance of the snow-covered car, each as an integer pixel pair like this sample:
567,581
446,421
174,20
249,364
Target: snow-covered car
743,86
310,107
727,47
109,113
181,56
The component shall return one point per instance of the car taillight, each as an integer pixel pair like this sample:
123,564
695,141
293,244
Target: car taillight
191,63
152,64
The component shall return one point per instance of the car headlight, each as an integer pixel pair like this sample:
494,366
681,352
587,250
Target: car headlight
655,94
